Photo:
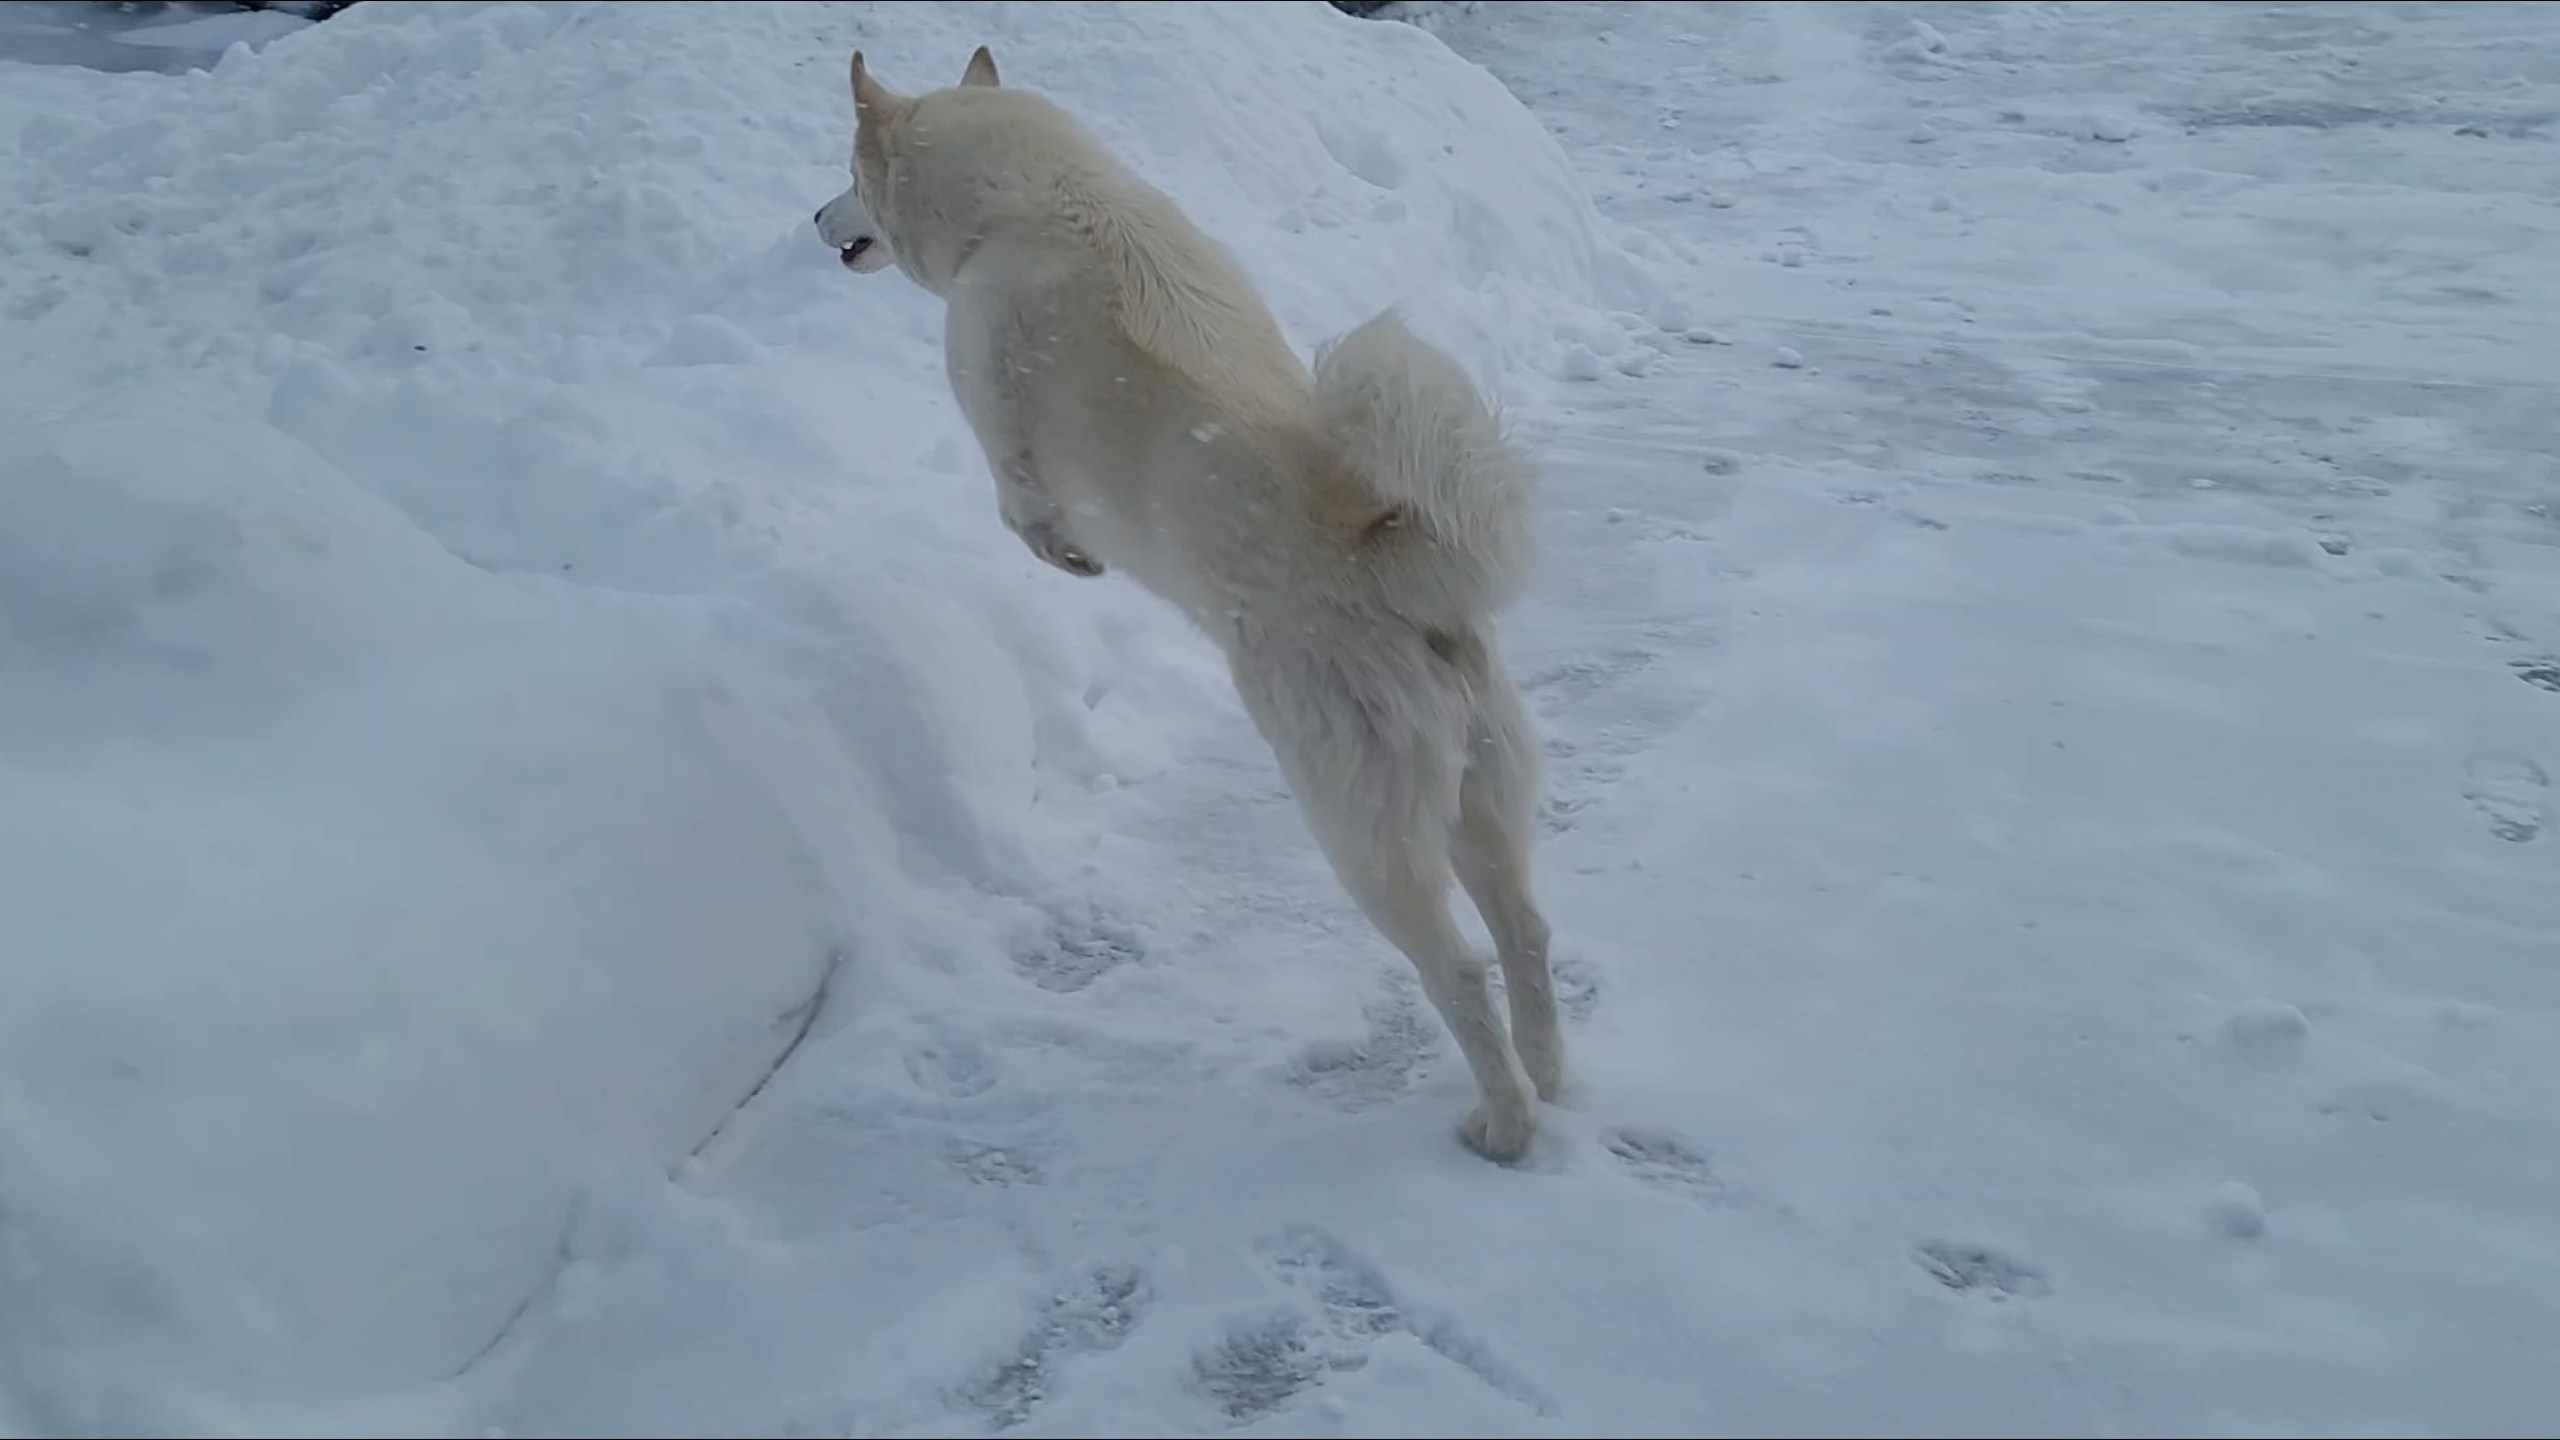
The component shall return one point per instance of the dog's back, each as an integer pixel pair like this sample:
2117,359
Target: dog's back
1384,466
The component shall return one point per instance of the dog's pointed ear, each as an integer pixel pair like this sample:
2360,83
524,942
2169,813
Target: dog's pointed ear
870,97
982,69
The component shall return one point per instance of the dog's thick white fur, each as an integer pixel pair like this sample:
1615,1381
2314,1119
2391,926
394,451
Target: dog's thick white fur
1346,536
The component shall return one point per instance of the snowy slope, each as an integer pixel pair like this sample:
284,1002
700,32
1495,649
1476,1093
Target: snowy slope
2047,656
492,620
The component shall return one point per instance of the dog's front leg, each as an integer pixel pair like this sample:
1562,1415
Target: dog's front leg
1031,513
984,351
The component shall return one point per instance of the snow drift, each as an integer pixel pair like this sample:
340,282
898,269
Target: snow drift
491,620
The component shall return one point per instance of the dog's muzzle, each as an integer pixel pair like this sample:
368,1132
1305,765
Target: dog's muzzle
847,228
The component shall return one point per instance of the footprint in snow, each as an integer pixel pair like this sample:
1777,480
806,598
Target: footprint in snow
1352,1297
1400,1045
1090,1315
1580,788
1667,1163
953,1068
2509,792
1077,953
1585,766
1573,681
1258,1366
1981,1271
1346,1305
985,1163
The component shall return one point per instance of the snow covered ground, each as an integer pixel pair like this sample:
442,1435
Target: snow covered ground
2050,650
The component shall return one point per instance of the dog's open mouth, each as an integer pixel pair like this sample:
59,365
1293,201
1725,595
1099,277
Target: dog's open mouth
854,252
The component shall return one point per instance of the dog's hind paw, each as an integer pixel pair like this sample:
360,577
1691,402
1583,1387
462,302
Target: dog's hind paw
1499,1133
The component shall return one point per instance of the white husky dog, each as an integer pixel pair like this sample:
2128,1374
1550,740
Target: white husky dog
1345,535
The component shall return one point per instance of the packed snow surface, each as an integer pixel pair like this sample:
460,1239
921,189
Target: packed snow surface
565,875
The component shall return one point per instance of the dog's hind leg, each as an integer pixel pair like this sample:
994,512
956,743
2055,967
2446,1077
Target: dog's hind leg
1403,887
1370,743
1497,825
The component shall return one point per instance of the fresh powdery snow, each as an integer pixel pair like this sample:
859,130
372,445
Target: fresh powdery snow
564,875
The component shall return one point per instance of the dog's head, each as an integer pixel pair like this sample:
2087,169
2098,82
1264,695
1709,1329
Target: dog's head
850,224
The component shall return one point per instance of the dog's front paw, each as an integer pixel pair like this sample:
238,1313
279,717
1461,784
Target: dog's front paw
1053,547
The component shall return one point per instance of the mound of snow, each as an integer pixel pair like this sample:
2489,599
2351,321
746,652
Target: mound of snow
354,892
492,619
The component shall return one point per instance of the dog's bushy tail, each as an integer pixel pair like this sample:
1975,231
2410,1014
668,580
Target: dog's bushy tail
1454,543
